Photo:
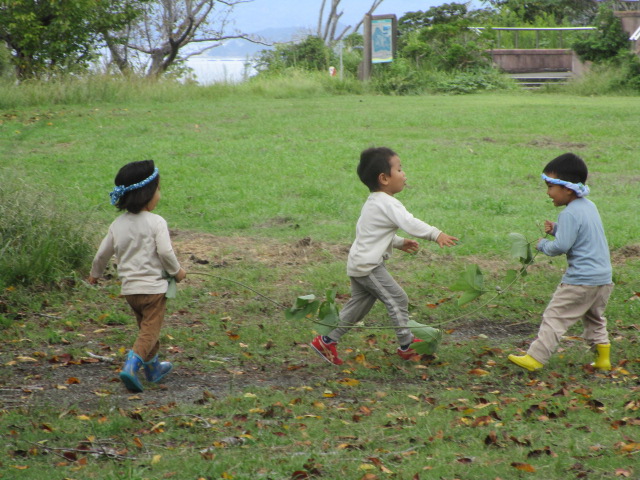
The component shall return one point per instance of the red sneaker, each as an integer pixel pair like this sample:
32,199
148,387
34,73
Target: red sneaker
326,350
409,353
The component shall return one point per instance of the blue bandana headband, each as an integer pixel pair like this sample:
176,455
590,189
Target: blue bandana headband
120,190
580,189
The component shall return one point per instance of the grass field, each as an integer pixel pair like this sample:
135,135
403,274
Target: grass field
263,191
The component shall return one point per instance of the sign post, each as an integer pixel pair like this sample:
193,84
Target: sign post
380,33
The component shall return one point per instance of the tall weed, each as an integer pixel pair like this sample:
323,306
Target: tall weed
92,89
101,89
403,78
458,83
42,238
608,78
298,83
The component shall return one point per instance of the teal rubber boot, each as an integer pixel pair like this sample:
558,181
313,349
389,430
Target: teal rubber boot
129,373
156,370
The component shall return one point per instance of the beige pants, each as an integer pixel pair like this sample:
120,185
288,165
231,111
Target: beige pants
569,304
149,310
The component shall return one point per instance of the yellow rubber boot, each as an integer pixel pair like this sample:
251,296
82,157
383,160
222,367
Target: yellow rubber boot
603,362
526,361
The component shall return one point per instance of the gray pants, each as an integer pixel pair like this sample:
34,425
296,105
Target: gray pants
570,304
378,285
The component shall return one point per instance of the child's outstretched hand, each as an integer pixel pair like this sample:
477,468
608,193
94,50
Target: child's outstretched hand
92,280
410,246
445,240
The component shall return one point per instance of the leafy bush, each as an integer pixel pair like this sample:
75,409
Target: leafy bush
630,67
440,39
309,54
619,76
402,78
467,82
42,239
398,78
604,43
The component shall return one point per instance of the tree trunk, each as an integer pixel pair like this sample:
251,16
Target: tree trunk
328,32
118,54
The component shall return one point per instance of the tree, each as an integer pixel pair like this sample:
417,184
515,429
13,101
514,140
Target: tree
6,69
158,40
578,12
308,54
48,37
327,28
604,43
438,38
445,13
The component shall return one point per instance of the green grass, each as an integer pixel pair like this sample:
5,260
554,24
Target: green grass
41,238
479,154
258,174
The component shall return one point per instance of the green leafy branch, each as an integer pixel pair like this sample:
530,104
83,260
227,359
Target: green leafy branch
325,314
471,282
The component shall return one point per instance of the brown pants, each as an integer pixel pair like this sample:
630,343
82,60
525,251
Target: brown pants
149,310
569,304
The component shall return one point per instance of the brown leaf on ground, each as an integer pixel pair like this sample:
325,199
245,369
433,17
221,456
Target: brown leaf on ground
525,467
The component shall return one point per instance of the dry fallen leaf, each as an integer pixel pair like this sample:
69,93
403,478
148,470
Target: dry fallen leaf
525,467
621,472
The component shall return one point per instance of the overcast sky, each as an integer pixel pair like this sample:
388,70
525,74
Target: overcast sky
260,14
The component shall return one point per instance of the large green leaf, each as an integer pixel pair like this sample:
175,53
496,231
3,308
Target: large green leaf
471,283
305,306
511,277
431,338
328,314
467,297
520,248
308,307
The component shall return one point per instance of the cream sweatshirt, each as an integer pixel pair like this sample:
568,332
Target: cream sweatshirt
142,247
381,217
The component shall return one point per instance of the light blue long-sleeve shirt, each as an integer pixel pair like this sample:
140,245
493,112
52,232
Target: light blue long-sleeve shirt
580,235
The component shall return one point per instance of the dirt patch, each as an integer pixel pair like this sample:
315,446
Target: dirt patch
549,142
628,252
89,384
94,384
218,252
36,379
482,328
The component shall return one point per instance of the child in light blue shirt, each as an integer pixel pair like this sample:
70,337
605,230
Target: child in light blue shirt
586,284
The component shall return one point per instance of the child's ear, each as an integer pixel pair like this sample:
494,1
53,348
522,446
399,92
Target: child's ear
383,179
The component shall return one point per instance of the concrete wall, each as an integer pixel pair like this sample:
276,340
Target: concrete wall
630,23
518,60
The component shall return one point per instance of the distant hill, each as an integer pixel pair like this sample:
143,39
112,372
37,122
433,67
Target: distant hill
237,48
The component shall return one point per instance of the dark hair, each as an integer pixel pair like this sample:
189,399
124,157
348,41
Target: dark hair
135,200
568,167
373,162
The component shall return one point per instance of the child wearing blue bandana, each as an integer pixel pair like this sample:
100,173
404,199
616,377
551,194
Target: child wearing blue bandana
586,284
140,242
